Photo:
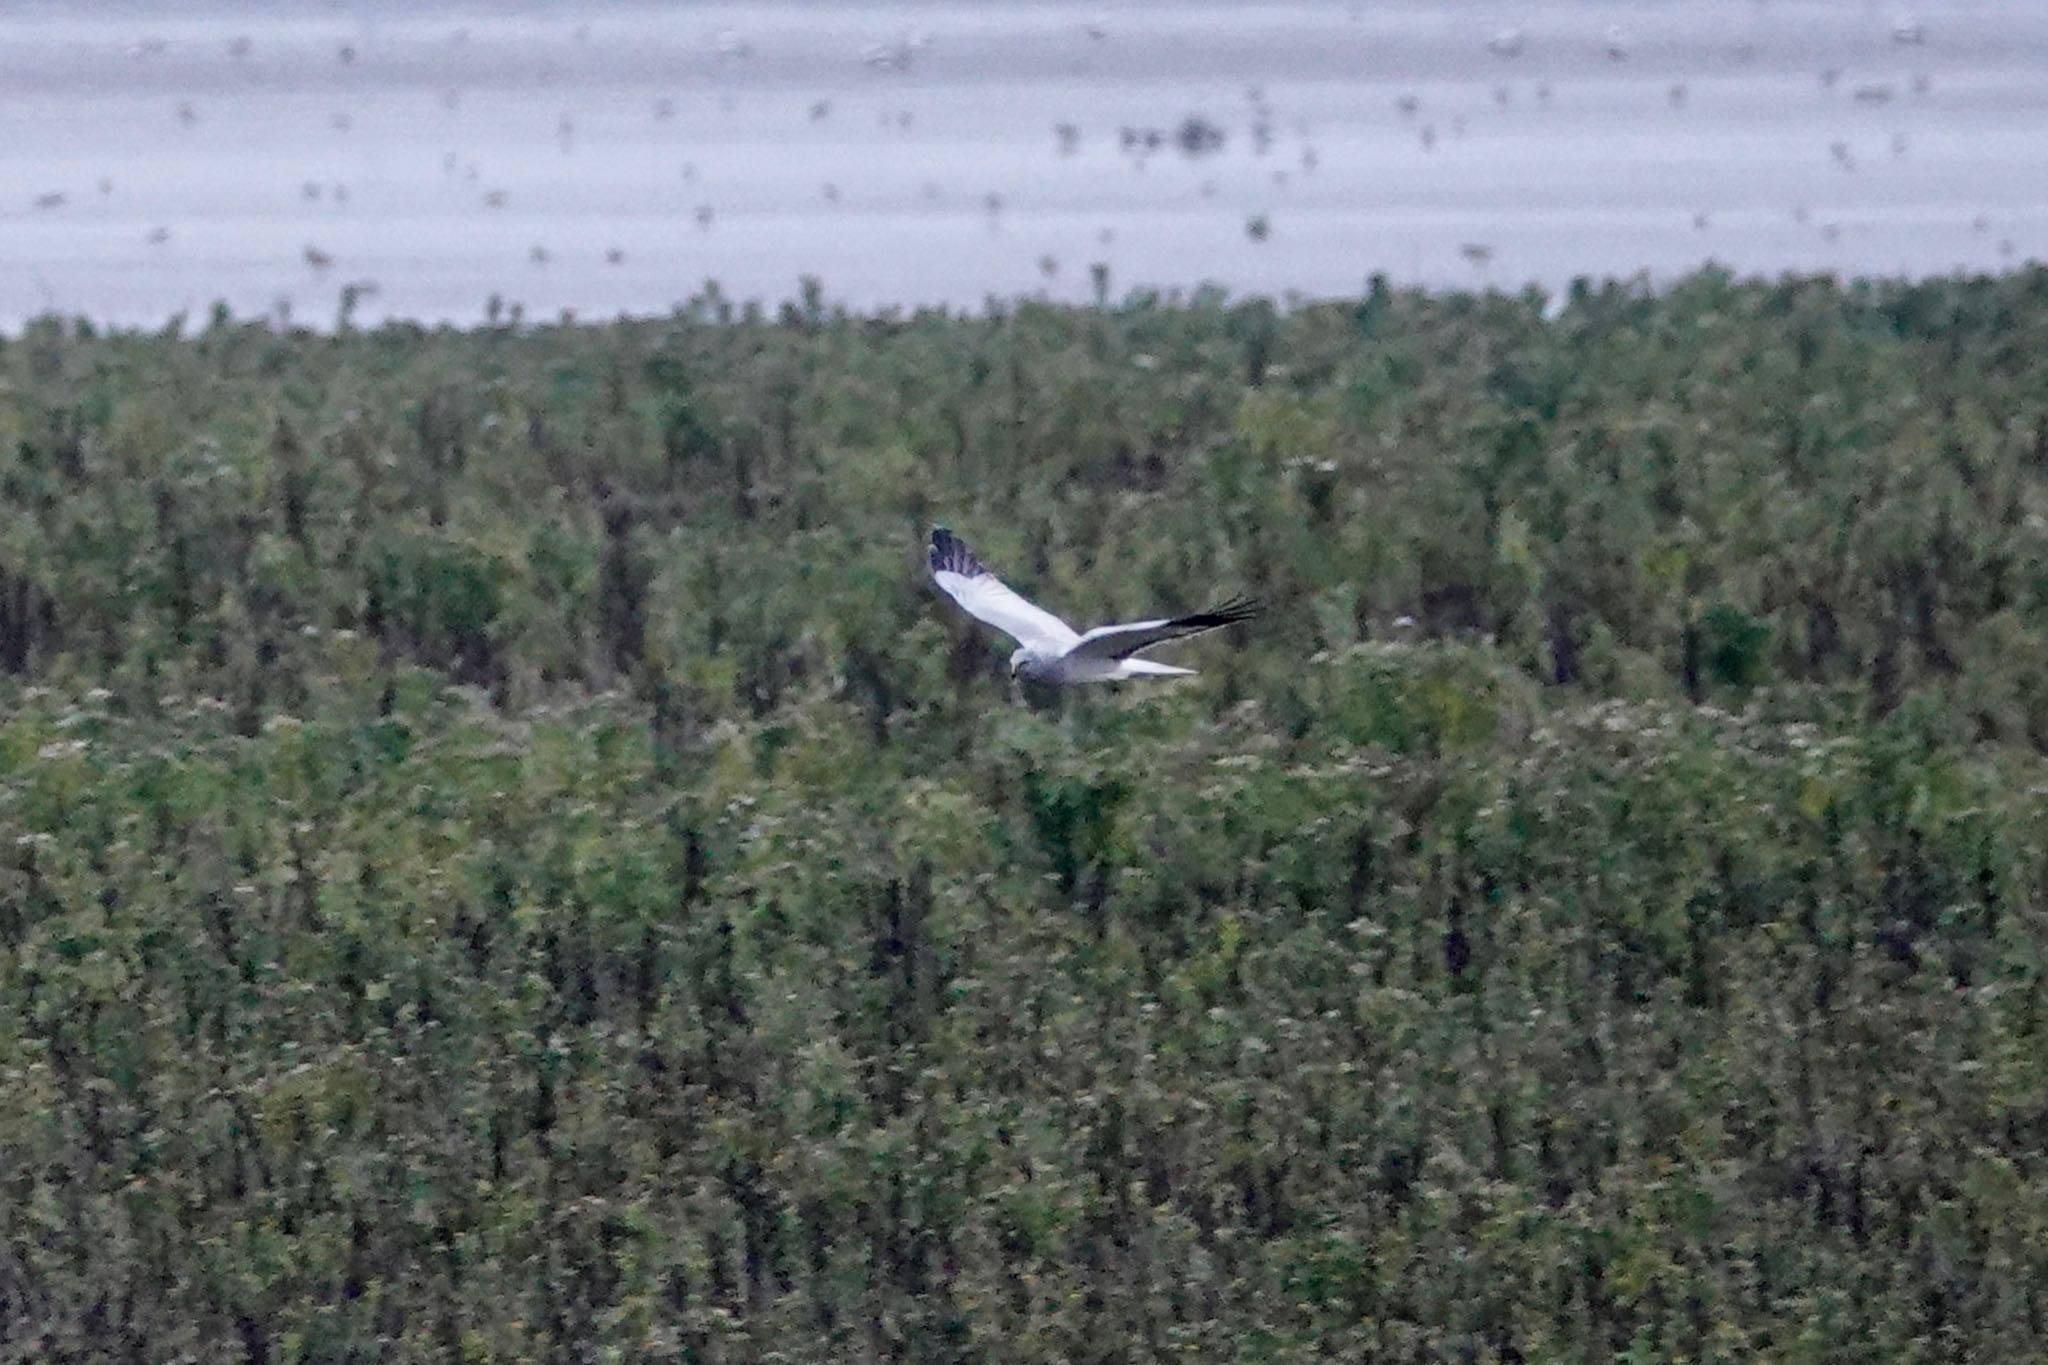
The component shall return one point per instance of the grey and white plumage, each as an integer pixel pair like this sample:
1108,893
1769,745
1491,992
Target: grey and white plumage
1050,650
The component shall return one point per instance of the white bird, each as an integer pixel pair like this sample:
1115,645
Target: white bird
1051,650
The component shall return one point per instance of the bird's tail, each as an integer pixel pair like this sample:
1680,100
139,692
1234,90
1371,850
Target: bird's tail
1148,668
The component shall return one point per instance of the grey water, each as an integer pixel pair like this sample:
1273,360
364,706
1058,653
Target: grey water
613,156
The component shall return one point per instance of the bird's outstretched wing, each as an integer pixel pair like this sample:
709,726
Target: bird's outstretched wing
985,597
1120,642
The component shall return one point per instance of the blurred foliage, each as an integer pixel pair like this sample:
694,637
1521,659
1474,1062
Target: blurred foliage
503,856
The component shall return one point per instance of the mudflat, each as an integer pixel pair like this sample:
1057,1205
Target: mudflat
420,161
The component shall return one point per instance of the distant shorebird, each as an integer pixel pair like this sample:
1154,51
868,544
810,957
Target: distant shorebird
1051,651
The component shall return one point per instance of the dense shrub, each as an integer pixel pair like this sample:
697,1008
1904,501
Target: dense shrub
503,857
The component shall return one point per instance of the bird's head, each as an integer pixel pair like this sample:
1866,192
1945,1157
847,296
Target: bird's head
1022,662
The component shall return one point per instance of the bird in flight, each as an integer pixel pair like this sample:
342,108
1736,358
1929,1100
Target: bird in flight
1051,651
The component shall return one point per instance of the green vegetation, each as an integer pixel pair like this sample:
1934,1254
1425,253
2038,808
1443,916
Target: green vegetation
504,857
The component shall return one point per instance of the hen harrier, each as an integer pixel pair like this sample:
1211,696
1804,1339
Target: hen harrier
1053,651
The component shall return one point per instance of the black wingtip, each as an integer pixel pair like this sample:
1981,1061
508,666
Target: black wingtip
1228,614
950,554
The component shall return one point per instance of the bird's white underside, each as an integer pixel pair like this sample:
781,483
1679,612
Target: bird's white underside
987,598
1053,650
